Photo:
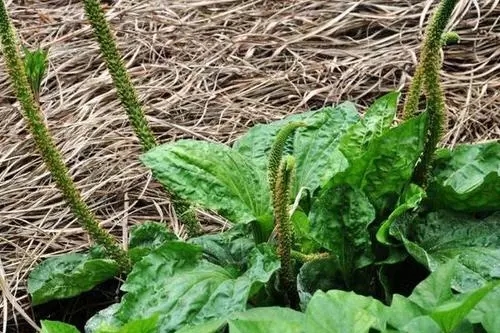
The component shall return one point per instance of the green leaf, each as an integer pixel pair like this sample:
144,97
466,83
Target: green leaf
339,222
228,248
257,320
146,237
321,274
213,176
467,178
264,320
68,275
175,282
49,326
340,311
450,315
210,326
435,296
301,233
402,311
410,199
377,119
256,144
442,236
421,324
35,65
387,164
315,147
148,325
485,313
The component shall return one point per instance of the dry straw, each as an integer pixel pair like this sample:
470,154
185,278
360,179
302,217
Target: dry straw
46,146
208,70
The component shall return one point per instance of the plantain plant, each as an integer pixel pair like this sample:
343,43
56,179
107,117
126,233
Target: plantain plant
130,102
45,144
355,224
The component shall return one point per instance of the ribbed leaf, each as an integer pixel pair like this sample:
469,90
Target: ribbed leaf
339,222
442,236
213,176
467,178
182,288
68,275
377,119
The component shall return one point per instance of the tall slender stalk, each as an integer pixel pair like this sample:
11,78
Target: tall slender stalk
128,98
427,74
281,196
45,144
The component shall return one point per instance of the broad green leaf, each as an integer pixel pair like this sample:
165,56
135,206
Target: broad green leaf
256,143
301,233
265,320
210,326
434,299
402,311
339,222
146,237
68,275
442,236
486,312
228,248
213,176
340,311
315,147
104,318
257,320
467,178
410,199
321,274
49,326
435,289
148,325
420,325
176,283
386,166
451,314
377,119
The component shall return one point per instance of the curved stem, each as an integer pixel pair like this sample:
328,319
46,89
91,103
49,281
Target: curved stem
128,98
427,74
47,147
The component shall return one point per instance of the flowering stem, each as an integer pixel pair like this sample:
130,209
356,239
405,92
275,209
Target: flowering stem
45,144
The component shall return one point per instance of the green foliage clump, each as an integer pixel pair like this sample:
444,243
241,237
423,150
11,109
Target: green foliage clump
363,208
35,65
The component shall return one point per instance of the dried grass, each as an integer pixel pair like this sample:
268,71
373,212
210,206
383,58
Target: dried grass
209,70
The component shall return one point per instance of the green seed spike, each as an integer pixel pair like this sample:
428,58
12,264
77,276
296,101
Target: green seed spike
35,65
46,146
450,38
277,150
281,196
121,79
427,74
129,100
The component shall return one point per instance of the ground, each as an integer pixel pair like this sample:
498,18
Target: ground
207,70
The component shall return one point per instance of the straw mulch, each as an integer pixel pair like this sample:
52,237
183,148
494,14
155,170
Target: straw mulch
207,70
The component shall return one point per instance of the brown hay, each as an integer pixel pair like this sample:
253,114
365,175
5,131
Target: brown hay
207,69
